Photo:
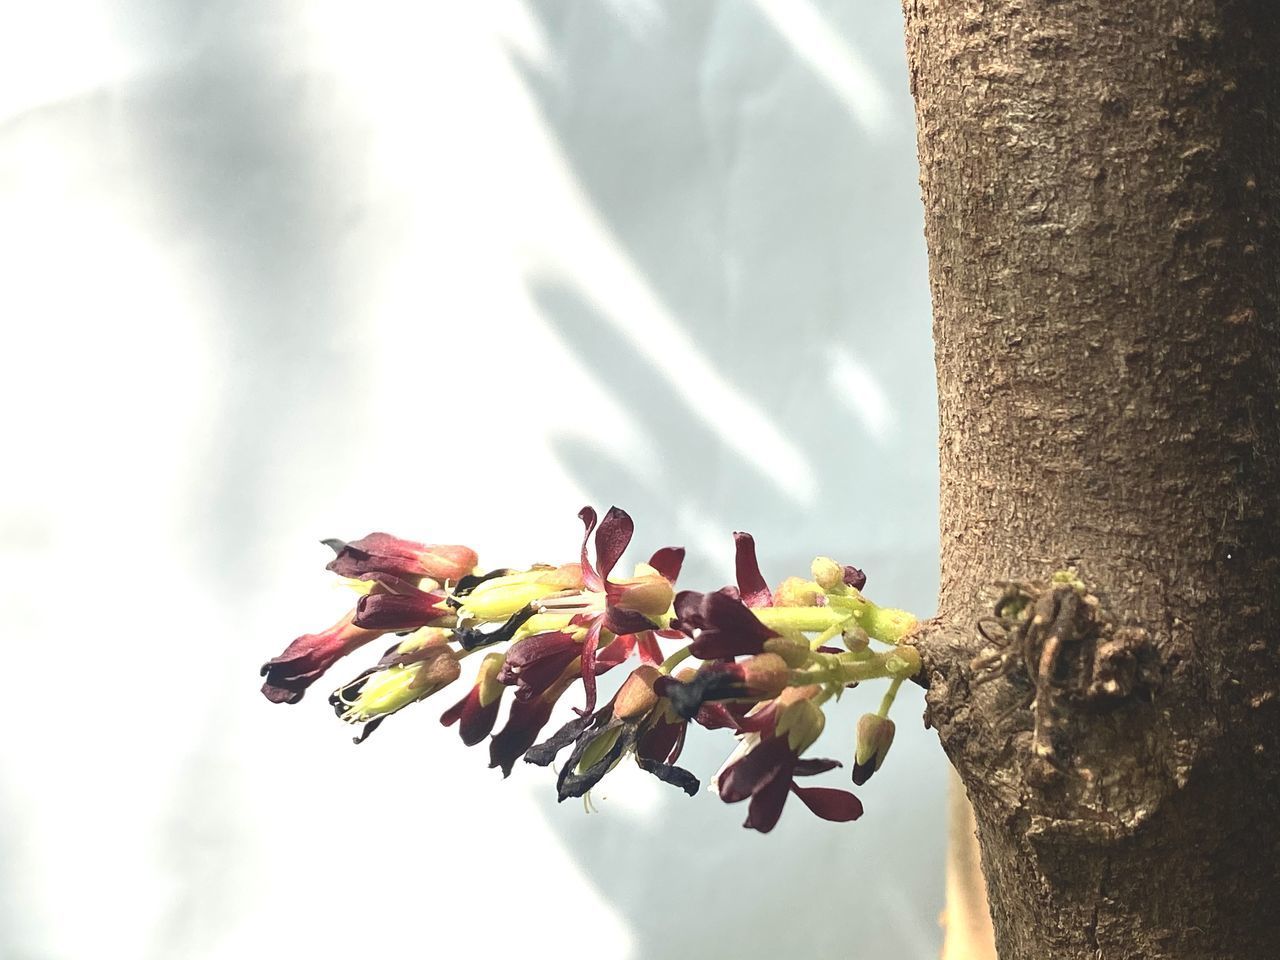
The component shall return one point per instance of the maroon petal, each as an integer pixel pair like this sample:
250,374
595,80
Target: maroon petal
660,742
454,713
751,585
524,723
717,716
668,562
475,722
812,766
536,662
839,806
746,777
589,644
590,576
400,611
616,530
620,620
854,577
724,625
615,652
766,805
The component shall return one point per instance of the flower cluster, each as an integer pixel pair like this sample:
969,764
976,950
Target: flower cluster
760,663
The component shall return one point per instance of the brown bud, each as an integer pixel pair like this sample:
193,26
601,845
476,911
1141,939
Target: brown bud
794,650
875,737
636,697
766,675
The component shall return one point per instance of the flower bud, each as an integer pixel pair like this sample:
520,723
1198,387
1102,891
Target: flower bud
827,573
636,696
904,662
856,639
801,723
798,592
794,650
383,553
765,675
875,736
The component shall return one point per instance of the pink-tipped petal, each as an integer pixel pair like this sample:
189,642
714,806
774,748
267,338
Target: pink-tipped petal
839,806
590,577
589,644
766,806
751,585
647,645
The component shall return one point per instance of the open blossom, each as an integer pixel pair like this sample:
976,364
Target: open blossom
723,626
609,619
769,761
412,670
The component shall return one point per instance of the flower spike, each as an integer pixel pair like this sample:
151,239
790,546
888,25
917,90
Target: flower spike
763,661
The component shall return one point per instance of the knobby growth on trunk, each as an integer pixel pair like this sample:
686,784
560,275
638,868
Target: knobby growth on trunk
1101,182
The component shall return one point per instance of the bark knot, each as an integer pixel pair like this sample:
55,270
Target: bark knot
1056,698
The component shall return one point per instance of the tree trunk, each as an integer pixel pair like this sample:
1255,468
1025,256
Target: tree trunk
1101,181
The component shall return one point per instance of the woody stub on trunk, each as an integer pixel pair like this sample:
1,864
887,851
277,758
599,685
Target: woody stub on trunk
1100,181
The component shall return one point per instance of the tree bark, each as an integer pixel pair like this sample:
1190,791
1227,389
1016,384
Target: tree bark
1101,181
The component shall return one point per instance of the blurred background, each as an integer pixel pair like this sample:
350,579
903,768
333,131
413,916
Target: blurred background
274,272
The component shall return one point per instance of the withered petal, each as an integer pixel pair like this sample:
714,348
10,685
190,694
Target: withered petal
669,773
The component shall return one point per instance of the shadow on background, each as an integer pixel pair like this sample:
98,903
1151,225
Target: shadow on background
745,199
251,178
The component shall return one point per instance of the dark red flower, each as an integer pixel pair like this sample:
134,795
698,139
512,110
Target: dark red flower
533,664
769,761
476,713
402,610
309,656
720,624
524,723
854,577
383,553
631,606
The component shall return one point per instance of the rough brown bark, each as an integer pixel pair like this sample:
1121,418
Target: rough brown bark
1101,181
